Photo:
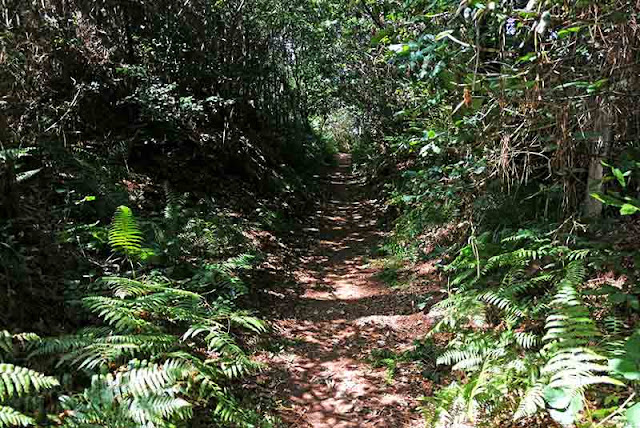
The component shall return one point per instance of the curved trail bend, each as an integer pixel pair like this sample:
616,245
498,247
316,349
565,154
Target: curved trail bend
325,378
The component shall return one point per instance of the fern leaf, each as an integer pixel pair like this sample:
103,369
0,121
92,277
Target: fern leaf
11,418
6,342
124,234
532,401
526,340
174,203
124,316
503,303
18,381
156,408
13,154
250,323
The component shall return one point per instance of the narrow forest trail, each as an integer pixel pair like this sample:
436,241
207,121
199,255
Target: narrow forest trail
343,312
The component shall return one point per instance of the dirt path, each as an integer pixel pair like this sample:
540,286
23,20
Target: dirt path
342,313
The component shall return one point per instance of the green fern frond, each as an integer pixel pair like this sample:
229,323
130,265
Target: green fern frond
65,344
459,308
524,235
239,366
15,153
143,378
92,348
615,326
503,303
123,315
571,322
232,359
465,276
145,318
240,262
174,203
579,254
455,356
159,408
6,342
531,403
127,287
118,349
573,363
575,273
472,351
24,338
518,258
576,368
250,323
543,278
140,394
228,411
216,277
99,355
11,418
124,234
18,381
526,340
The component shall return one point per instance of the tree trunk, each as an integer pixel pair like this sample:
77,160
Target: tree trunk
598,152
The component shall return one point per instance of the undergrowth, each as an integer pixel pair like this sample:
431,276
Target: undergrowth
533,335
160,347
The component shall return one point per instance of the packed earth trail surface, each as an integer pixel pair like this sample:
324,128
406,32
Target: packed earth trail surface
341,315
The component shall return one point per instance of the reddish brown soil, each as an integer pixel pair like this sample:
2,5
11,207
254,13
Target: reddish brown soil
341,313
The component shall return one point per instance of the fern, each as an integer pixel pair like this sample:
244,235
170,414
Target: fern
143,394
573,364
531,403
493,370
525,235
149,319
18,382
535,345
174,203
458,309
527,340
10,418
6,342
8,155
124,234
504,303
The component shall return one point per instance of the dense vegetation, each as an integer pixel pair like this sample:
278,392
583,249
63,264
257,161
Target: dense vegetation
148,147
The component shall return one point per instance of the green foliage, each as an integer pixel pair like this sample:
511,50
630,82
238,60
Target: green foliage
478,115
10,418
124,234
166,348
387,359
203,230
139,394
627,361
421,355
628,204
524,335
18,382
9,159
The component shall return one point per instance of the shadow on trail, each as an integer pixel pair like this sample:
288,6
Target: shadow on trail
337,315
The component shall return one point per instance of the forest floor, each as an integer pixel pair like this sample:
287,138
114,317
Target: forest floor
340,317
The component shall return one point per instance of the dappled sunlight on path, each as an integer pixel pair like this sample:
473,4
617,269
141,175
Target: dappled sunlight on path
340,314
